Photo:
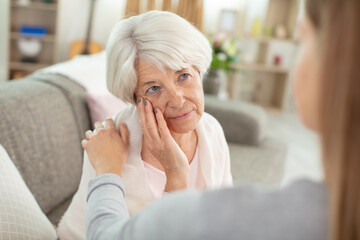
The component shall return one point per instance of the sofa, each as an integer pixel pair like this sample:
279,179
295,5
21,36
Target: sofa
43,118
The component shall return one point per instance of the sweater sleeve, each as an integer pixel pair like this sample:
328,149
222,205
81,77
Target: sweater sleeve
107,216
107,212
227,213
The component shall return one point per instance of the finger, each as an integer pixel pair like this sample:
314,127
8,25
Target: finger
84,143
162,126
89,134
142,114
124,133
109,123
151,123
98,126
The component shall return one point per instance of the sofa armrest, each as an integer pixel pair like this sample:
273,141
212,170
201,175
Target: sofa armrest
243,123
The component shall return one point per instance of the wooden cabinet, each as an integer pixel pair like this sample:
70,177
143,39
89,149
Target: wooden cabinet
269,80
33,13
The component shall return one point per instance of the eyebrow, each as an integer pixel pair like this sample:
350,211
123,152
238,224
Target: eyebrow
152,82
181,70
147,83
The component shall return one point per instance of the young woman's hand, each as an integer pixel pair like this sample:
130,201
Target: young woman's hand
163,147
106,147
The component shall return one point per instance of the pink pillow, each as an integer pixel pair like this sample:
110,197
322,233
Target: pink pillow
102,106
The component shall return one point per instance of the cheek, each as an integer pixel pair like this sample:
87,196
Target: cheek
158,102
196,96
306,87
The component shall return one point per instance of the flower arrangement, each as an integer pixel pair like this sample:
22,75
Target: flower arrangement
225,52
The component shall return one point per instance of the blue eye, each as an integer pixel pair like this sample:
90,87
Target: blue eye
153,89
184,76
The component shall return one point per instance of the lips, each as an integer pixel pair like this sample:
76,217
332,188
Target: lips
183,116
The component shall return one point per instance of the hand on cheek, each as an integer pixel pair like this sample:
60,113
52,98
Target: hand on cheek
162,146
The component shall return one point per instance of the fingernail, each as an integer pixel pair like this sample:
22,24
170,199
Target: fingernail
138,100
145,102
155,110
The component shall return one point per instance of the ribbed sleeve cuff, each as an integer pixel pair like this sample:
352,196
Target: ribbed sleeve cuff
107,179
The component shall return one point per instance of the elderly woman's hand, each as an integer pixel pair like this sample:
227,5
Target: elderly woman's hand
106,147
163,147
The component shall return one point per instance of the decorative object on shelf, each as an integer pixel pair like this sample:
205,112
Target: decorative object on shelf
23,2
256,27
280,31
267,31
32,31
228,21
29,44
29,48
213,81
277,59
225,52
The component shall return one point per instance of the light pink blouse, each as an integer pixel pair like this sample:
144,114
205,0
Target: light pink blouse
157,178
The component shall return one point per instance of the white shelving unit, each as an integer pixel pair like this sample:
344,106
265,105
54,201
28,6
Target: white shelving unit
270,82
36,13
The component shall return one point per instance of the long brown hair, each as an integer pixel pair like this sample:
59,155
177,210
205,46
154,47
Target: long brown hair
337,23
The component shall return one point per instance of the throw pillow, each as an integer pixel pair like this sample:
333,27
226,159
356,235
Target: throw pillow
102,106
20,214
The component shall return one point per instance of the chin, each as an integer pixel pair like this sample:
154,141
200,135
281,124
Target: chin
182,127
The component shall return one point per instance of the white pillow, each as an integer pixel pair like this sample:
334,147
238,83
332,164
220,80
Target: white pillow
20,214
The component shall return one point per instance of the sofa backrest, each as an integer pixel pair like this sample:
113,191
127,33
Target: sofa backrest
42,121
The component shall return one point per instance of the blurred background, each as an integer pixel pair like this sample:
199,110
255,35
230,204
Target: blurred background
254,43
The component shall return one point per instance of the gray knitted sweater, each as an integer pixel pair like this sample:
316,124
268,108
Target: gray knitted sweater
298,211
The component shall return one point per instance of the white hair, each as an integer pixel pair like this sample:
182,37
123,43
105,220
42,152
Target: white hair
159,37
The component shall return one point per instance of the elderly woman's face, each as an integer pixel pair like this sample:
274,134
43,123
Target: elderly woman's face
178,94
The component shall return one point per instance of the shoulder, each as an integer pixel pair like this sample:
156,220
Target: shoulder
209,120
125,115
210,125
298,211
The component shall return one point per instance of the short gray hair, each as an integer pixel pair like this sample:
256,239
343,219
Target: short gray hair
159,37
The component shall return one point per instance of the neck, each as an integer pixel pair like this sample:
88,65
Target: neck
183,139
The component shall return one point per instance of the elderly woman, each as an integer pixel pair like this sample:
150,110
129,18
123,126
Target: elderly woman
156,62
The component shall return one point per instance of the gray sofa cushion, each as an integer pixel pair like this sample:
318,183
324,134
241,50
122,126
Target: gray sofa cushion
41,134
242,122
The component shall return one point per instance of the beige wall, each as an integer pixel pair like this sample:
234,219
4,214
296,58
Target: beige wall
73,17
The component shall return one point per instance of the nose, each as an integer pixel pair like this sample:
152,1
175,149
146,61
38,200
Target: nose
176,98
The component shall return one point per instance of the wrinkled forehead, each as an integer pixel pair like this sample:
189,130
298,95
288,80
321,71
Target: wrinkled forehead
153,65
163,61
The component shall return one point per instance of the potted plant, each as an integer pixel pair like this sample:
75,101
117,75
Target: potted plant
225,53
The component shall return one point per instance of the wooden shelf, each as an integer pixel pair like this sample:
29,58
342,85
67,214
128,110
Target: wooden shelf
271,39
258,67
36,6
29,67
47,38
